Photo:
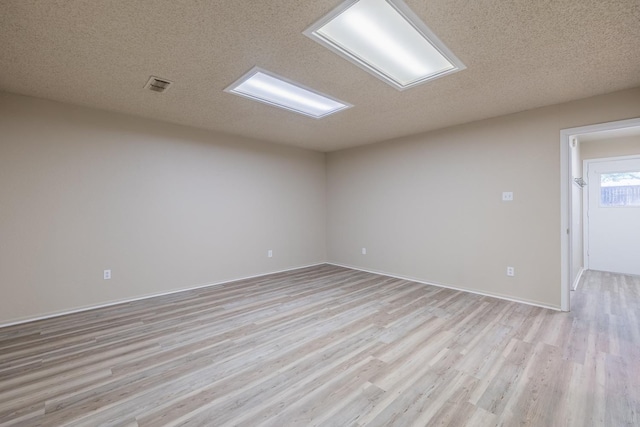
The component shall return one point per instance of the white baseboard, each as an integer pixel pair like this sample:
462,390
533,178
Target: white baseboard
456,288
576,282
382,273
126,300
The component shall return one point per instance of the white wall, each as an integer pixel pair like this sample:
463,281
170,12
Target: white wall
164,206
577,249
429,206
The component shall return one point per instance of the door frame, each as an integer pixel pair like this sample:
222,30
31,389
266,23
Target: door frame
585,201
566,182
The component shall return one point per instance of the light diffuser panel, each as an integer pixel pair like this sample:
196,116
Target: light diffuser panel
272,89
387,39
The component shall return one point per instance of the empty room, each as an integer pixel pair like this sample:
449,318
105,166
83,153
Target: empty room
319,213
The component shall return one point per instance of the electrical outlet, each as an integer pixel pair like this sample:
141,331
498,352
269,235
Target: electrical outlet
511,271
270,253
507,196
364,251
107,274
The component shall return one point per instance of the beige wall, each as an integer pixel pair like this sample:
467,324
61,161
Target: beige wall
429,206
165,207
168,207
613,147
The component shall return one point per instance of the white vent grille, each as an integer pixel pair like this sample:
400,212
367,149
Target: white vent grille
157,84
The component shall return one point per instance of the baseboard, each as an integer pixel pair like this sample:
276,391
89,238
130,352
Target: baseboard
126,300
576,282
456,288
382,273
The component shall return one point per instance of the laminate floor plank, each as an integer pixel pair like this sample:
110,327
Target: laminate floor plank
330,346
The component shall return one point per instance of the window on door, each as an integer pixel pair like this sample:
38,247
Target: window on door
620,189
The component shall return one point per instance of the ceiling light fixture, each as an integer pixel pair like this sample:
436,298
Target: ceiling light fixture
385,38
267,87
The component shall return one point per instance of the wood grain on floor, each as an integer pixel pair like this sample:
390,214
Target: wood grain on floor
330,346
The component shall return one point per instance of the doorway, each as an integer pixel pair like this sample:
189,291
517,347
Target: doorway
571,175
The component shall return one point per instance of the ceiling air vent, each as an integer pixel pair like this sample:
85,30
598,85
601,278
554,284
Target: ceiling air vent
157,84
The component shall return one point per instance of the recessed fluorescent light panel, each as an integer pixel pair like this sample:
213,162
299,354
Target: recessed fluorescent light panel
387,39
263,86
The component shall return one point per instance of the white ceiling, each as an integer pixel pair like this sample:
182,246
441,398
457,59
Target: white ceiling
520,54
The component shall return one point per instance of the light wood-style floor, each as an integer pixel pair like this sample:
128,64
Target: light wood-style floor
333,347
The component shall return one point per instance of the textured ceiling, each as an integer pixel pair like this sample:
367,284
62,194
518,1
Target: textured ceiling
520,54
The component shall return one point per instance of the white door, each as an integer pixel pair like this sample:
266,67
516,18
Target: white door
613,215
